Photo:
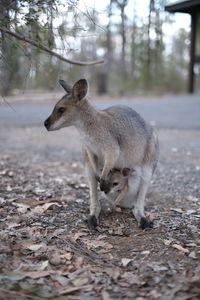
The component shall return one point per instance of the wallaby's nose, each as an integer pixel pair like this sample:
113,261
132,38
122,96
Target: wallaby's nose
47,123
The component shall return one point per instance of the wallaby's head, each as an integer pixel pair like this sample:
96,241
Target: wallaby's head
66,111
118,179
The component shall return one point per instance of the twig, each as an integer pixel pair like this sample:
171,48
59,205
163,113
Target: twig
18,293
90,255
44,48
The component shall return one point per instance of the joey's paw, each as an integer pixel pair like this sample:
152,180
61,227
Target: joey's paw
92,222
145,223
104,186
97,178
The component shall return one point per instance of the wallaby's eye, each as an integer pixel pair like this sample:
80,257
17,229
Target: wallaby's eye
61,110
115,183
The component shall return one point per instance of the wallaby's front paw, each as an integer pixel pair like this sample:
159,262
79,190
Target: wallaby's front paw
92,221
97,178
104,186
145,223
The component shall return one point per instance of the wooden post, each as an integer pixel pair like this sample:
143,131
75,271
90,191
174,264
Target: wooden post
192,54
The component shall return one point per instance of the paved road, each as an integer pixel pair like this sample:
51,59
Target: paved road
182,112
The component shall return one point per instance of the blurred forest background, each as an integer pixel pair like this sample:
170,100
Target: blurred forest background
138,56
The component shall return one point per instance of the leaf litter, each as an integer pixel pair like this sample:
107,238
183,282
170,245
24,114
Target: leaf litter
48,252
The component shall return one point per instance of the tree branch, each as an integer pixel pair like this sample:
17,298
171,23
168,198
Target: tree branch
44,48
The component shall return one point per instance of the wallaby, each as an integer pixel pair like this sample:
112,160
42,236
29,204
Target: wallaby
115,137
119,186
124,186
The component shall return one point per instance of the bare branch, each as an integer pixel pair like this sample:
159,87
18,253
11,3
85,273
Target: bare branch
44,48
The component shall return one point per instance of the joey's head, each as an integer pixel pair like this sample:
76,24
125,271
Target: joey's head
118,179
66,111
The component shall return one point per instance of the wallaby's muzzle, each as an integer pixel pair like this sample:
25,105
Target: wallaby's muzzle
47,123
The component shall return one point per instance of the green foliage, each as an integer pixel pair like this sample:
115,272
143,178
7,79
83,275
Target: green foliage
149,66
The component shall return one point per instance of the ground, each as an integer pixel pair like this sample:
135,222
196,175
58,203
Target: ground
47,250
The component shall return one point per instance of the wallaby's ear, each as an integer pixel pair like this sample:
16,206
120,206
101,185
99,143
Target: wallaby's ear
66,86
79,90
126,172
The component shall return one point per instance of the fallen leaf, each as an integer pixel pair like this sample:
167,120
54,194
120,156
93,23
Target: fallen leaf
37,274
106,296
131,278
179,210
154,294
151,216
192,255
34,202
126,261
167,242
41,209
79,262
61,279
157,268
76,288
180,248
190,211
146,252
55,258
81,280
36,247
43,265
112,272
191,198
98,243
79,234
67,255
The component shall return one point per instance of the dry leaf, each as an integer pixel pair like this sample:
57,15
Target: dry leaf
154,294
112,272
179,210
126,261
105,296
97,243
36,247
55,258
192,255
79,234
180,248
37,274
131,278
79,262
167,242
67,255
61,279
76,288
41,209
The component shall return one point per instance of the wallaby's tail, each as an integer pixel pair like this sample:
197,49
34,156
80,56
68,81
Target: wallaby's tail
152,151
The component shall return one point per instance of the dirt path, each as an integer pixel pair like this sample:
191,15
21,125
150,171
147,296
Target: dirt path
47,251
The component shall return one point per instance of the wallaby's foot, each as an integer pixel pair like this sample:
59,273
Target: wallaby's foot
145,223
104,186
92,221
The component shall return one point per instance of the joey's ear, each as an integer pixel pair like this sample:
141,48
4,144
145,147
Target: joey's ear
79,90
126,172
66,86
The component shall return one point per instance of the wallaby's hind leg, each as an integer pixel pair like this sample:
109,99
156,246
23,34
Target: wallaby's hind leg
95,207
138,210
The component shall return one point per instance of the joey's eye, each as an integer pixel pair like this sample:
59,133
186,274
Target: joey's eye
115,183
61,110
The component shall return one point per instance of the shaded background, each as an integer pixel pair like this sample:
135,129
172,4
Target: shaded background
146,49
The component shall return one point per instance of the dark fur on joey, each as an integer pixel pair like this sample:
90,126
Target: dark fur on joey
104,186
92,222
145,223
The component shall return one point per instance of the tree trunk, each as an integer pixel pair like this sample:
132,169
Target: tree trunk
122,6
148,59
5,49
